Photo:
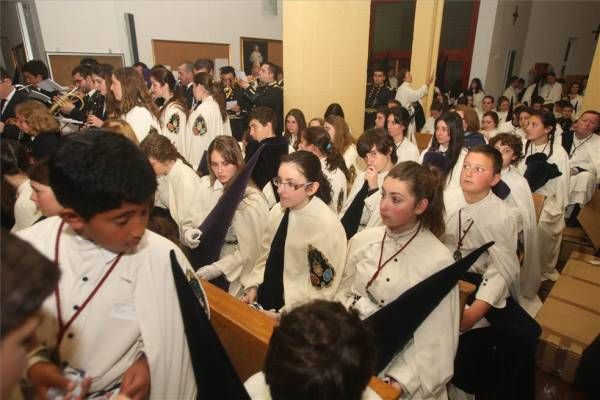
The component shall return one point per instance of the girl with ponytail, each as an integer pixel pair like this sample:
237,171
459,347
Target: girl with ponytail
546,168
179,187
208,120
304,247
385,261
317,141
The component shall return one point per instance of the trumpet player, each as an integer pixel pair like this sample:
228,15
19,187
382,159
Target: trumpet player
77,110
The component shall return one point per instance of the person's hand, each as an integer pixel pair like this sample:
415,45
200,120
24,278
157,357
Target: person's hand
209,272
371,177
243,83
191,237
45,375
92,120
136,380
250,296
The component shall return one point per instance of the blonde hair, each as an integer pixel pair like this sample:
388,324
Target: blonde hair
342,138
120,127
37,116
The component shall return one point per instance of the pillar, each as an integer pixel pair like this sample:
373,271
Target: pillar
591,100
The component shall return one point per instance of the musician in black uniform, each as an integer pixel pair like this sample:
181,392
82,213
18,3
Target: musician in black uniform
185,72
34,73
10,96
93,101
267,94
237,103
378,94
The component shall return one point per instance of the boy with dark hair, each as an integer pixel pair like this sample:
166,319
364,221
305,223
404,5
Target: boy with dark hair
497,358
93,101
319,351
566,115
115,314
21,300
262,123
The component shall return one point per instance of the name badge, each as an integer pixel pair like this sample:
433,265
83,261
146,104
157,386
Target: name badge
124,311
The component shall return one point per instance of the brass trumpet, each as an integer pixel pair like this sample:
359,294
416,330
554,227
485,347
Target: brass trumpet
69,97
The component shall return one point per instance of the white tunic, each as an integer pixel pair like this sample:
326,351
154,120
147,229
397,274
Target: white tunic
577,103
243,239
492,221
521,203
511,94
551,93
426,363
551,223
184,199
203,125
584,154
173,121
142,122
314,225
407,151
26,211
370,215
339,186
135,311
406,95
429,126
352,159
258,389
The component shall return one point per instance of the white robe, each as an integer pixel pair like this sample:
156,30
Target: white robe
173,121
521,203
426,363
339,186
577,103
242,241
329,239
352,159
370,215
407,151
26,211
584,154
184,196
258,389
203,125
511,94
406,95
492,221
142,122
551,223
135,311
551,93
429,126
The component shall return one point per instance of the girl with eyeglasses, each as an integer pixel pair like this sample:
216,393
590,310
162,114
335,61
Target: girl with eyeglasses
385,261
304,246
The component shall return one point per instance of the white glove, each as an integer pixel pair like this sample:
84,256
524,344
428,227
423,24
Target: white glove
191,237
209,272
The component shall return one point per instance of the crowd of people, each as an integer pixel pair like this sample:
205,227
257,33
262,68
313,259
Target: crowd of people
324,231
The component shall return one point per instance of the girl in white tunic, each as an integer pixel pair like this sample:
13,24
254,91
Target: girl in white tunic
179,188
362,206
489,124
502,109
408,251
15,161
521,202
135,104
207,121
575,98
242,241
406,95
303,249
449,141
173,114
317,141
540,145
397,124
345,143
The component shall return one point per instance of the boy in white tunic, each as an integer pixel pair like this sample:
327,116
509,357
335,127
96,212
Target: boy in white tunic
511,340
115,314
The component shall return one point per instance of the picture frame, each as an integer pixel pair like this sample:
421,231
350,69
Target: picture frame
257,50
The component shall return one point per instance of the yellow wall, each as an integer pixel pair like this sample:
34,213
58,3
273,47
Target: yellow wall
591,100
425,45
325,48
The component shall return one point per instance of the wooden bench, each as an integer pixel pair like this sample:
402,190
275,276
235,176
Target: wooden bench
422,140
245,334
538,205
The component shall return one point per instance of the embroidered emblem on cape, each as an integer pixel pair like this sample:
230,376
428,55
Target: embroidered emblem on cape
152,131
197,289
321,271
173,124
199,127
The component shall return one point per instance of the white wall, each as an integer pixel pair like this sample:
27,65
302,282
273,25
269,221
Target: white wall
483,40
99,26
551,25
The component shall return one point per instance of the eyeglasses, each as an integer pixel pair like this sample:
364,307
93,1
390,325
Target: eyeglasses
289,185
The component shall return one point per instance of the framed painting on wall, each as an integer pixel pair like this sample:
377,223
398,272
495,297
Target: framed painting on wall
255,51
